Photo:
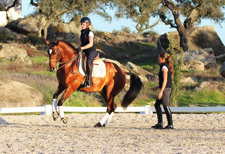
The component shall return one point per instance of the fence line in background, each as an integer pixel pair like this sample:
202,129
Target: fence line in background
47,109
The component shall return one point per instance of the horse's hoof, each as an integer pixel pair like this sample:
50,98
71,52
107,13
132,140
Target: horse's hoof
64,120
55,116
98,125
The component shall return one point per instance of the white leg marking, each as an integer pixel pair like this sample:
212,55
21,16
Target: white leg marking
54,105
104,118
109,118
61,113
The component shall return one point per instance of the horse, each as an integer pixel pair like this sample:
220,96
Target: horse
70,80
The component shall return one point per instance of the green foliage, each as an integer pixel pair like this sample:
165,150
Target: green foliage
38,59
177,64
126,29
201,98
139,11
149,33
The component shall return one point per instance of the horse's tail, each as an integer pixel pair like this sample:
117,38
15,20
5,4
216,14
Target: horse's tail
132,93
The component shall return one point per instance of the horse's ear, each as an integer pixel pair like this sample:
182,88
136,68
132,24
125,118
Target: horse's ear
47,42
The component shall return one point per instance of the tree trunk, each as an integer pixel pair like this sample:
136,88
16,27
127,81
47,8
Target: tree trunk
184,38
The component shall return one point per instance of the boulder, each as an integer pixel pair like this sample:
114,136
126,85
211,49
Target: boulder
222,70
7,34
193,65
17,94
30,24
144,75
200,38
68,32
189,80
15,52
211,85
205,56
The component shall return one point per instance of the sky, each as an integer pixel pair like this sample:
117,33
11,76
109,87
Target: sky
116,24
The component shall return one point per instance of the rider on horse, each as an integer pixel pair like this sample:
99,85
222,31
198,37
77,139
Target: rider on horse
88,47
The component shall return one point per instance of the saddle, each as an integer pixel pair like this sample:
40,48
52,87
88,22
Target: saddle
99,69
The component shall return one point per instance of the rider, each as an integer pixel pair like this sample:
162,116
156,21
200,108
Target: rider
88,47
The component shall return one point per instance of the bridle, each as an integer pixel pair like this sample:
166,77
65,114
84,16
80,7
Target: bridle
59,56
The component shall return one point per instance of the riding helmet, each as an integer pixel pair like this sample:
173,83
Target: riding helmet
85,19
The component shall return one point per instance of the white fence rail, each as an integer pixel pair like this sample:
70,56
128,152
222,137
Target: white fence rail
47,109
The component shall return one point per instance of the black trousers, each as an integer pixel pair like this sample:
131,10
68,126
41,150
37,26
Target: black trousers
165,100
91,56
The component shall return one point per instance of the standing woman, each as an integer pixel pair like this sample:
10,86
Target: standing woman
165,84
88,47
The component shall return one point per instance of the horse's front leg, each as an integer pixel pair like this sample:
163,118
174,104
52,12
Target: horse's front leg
65,95
59,90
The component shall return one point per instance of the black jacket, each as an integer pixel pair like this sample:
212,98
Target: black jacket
169,77
84,38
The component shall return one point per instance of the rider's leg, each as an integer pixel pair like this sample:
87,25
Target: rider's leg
90,57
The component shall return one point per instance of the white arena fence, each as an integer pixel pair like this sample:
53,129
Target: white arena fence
47,109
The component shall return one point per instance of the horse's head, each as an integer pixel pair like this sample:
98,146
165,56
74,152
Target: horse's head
54,53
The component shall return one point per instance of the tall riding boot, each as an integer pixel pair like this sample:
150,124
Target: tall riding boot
169,117
89,75
159,125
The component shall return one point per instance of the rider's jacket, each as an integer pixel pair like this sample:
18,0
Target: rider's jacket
84,38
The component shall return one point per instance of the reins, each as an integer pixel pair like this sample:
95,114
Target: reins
63,64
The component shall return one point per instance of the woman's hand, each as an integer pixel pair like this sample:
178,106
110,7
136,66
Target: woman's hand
160,95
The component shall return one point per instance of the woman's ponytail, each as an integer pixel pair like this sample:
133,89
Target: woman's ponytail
167,57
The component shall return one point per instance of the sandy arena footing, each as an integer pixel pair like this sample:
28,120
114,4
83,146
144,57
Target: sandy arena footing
126,133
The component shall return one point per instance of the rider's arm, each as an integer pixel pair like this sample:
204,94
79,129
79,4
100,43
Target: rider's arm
90,44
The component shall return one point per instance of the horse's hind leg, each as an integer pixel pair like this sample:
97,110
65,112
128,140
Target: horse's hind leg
59,90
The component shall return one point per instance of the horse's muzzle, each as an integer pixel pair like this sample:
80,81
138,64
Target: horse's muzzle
51,69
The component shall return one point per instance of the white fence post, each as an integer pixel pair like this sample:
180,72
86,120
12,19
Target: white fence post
47,111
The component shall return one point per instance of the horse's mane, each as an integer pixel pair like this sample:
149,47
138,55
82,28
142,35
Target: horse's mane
71,45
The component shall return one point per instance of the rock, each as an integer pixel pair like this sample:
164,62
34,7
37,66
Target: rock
193,65
205,56
17,94
222,70
30,24
68,32
144,75
7,34
200,38
189,80
15,52
211,85
24,59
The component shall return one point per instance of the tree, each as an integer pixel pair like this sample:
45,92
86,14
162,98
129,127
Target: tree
140,11
193,11
53,10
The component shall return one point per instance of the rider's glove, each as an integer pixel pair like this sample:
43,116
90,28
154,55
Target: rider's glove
78,49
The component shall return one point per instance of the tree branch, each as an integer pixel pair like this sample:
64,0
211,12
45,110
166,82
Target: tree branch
34,4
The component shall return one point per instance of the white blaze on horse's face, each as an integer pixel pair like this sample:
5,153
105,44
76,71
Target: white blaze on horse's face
50,51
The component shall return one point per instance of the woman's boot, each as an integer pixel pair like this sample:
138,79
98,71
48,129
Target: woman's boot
159,125
169,117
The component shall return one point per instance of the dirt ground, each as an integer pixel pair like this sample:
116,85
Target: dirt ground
126,133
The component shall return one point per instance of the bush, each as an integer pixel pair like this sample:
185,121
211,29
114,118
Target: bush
149,33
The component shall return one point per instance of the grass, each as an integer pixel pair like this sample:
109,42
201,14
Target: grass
201,98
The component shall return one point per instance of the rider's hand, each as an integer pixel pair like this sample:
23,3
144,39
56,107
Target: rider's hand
78,49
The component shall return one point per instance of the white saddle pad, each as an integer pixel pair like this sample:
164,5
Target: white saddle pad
99,69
